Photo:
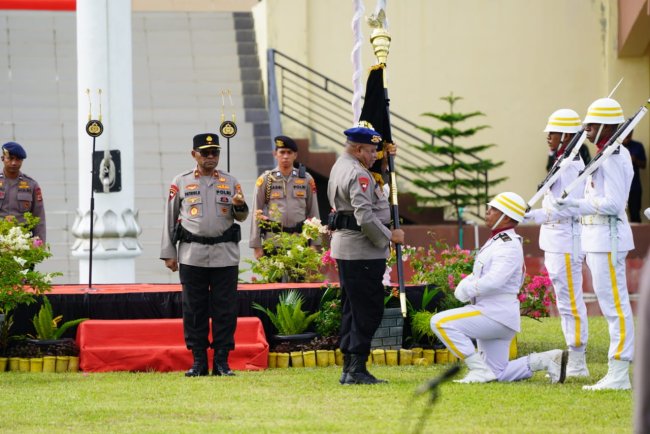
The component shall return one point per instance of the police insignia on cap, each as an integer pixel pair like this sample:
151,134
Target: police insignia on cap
284,142
375,139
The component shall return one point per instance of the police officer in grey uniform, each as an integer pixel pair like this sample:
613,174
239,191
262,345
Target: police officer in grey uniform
284,192
20,193
202,207
360,246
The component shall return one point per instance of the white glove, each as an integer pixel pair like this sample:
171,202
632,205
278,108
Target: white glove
562,204
647,213
465,291
537,216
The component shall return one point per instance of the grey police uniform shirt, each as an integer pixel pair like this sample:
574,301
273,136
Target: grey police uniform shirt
353,190
294,198
21,195
203,205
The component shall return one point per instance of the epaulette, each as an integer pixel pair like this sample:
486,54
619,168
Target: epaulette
504,237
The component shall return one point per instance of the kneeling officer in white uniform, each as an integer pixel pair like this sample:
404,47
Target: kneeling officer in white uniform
492,317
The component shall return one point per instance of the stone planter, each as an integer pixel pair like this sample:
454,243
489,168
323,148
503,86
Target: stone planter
389,333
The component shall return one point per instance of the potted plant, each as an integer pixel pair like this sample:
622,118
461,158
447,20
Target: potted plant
288,257
20,283
289,319
47,326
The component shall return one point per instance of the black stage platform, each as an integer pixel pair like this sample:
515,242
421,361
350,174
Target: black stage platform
151,301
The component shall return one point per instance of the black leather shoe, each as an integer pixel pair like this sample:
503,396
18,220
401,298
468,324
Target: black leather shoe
200,366
220,364
220,369
346,368
361,378
358,374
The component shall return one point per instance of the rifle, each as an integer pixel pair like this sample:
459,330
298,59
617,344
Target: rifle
559,166
610,147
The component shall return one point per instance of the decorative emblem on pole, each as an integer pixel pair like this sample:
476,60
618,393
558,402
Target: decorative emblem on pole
94,127
227,129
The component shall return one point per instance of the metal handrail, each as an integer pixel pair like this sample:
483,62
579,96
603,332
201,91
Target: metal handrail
299,93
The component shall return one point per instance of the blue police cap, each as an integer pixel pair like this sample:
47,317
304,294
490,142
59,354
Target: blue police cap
363,135
14,149
284,142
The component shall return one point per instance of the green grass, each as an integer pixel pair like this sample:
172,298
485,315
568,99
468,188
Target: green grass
311,400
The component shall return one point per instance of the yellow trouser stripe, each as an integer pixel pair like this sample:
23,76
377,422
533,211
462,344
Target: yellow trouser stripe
617,305
572,298
445,338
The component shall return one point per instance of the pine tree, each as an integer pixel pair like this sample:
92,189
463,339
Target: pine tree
456,175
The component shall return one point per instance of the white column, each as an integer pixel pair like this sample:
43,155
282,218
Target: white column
104,62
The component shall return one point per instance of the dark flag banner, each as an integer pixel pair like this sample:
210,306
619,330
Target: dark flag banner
375,112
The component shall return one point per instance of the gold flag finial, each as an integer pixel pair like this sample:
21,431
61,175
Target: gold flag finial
379,38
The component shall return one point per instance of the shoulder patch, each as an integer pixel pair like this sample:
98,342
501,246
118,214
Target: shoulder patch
173,191
364,182
259,181
312,184
504,237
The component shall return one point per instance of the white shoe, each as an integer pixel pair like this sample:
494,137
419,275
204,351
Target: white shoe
479,371
617,378
577,365
554,362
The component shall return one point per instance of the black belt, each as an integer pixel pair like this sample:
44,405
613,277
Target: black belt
232,234
337,220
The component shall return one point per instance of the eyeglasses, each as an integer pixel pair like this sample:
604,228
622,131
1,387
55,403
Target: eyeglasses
209,152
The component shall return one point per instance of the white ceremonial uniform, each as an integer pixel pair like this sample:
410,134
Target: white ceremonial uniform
559,237
606,239
493,318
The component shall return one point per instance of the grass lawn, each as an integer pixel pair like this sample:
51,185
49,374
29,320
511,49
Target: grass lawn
311,400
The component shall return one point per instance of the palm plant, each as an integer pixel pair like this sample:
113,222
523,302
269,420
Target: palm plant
47,326
289,318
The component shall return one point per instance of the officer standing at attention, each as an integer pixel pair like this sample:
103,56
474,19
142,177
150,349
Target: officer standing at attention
607,237
20,193
359,244
286,191
202,206
559,238
492,318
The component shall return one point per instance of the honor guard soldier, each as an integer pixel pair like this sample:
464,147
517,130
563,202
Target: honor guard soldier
559,238
492,318
20,193
285,192
607,237
202,207
360,241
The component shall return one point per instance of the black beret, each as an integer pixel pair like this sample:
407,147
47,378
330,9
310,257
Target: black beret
363,135
14,149
206,140
284,142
